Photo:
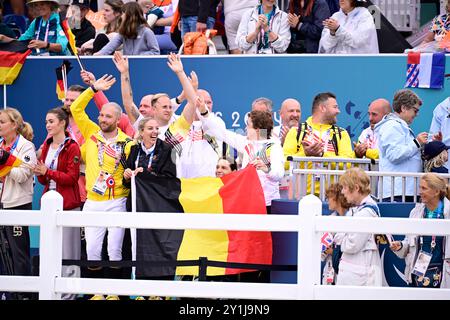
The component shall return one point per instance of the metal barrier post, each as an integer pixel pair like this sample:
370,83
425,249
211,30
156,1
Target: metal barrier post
50,245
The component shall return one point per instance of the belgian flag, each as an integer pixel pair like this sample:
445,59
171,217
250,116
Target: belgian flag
238,192
12,58
7,162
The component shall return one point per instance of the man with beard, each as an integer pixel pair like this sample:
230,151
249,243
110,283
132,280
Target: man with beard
367,145
319,136
290,114
105,148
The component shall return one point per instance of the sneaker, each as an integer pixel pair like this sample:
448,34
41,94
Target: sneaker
97,297
112,297
155,298
139,298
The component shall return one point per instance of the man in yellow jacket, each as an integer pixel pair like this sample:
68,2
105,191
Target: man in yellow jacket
319,136
104,152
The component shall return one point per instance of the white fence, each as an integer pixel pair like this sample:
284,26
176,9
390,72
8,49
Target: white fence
324,178
309,224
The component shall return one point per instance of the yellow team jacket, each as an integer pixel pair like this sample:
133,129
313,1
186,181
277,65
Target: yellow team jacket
344,145
89,151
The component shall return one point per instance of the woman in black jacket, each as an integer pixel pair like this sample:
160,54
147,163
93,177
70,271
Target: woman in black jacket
305,18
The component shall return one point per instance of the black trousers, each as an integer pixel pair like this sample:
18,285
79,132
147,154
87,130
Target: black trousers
18,238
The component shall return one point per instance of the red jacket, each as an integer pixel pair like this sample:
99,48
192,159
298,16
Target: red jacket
66,175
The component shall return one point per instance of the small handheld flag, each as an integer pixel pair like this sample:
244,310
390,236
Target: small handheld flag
61,79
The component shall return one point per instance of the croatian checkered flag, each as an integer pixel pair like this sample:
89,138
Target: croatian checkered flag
412,72
326,240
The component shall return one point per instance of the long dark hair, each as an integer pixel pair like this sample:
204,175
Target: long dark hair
295,6
134,18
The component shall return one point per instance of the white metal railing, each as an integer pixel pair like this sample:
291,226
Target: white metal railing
309,224
301,178
404,15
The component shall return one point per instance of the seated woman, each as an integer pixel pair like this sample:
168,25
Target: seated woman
112,14
134,33
350,30
305,19
264,29
45,32
258,148
427,258
360,264
339,207
440,26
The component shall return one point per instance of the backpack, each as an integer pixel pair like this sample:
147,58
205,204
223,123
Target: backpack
199,43
302,127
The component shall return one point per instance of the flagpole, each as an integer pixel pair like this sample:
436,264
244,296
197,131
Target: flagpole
4,96
64,78
133,230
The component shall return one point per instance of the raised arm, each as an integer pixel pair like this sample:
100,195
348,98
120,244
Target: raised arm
122,65
174,63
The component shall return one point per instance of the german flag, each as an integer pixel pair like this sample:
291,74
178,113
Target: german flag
12,58
238,192
61,79
70,36
7,162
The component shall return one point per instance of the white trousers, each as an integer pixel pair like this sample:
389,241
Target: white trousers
94,235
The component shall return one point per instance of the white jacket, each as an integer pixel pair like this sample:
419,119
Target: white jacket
360,264
18,186
356,33
279,24
410,247
269,181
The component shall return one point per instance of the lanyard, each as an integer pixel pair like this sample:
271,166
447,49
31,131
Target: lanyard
265,35
149,165
46,30
58,151
427,214
13,146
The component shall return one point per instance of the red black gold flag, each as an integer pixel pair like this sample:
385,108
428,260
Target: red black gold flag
12,58
61,79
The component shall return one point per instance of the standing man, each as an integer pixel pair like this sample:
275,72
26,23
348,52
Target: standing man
290,115
398,145
440,125
319,136
197,15
262,104
105,148
367,145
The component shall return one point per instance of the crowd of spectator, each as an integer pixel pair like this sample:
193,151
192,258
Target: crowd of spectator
159,26
91,163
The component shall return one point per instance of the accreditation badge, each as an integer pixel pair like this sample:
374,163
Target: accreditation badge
422,263
100,185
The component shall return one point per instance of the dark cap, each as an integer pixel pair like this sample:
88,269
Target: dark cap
81,3
433,148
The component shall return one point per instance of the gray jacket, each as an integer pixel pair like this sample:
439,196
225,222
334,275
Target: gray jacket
144,44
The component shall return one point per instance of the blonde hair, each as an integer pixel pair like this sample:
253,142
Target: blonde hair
141,127
356,177
435,182
23,128
436,162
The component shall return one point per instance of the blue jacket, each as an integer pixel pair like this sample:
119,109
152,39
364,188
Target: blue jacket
311,27
399,152
441,122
